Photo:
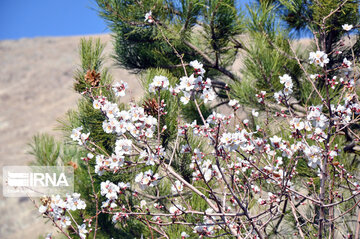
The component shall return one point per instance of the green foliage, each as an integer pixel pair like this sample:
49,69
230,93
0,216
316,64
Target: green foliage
222,23
91,54
91,60
264,62
141,45
172,104
244,92
49,151
190,112
45,149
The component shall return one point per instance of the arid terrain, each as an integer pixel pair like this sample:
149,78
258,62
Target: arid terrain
35,90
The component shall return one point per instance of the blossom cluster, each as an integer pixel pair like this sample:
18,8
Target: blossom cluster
234,104
159,83
319,58
208,226
195,83
148,17
204,169
148,178
134,121
111,191
119,88
343,113
260,97
55,207
281,96
78,136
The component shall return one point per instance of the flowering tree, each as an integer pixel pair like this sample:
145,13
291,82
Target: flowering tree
281,173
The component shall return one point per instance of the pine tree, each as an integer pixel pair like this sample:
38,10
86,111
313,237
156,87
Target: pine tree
50,152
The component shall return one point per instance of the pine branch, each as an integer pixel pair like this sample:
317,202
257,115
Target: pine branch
211,63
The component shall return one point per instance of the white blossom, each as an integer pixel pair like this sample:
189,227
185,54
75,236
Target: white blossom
143,204
233,103
255,113
64,221
319,58
186,98
199,70
184,235
208,95
176,209
284,79
76,134
159,83
347,27
148,17
96,104
187,83
119,88
74,202
123,146
109,190
279,96
347,63
42,208
313,154
297,124
147,178
83,231
177,187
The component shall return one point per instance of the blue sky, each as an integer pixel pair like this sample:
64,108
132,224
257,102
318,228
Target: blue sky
37,18
33,18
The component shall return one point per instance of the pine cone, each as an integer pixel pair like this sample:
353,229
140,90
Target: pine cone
151,107
73,164
92,78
